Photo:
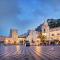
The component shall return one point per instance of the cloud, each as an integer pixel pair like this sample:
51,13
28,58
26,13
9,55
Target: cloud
39,12
8,7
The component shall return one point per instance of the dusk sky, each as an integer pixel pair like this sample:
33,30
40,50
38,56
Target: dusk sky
26,14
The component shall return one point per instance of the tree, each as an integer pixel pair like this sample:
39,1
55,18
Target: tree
53,23
42,37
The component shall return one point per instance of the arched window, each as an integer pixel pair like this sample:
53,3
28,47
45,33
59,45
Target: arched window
44,30
52,34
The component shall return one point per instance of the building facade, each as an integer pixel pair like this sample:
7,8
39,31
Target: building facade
33,37
52,34
13,37
22,39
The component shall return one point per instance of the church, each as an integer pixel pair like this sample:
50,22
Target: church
52,34
14,38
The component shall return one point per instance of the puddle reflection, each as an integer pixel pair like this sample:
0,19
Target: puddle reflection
38,50
18,50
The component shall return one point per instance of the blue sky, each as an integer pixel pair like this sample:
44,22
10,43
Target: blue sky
26,14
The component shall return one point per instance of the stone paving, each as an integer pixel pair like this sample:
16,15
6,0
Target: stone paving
29,53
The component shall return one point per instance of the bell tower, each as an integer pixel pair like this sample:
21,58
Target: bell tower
45,29
14,34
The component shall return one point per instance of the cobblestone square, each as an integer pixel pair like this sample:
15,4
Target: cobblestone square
17,52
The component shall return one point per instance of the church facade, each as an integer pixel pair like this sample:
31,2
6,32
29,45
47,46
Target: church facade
14,38
52,34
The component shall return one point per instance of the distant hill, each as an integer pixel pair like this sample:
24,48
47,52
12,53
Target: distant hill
39,28
25,34
52,24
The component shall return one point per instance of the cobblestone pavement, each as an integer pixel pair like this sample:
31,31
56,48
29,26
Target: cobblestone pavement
29,53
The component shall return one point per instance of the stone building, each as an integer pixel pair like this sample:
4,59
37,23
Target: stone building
14,38
22,39
52,34
33,37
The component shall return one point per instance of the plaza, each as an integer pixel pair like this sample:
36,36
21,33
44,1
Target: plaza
20,52
29,29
